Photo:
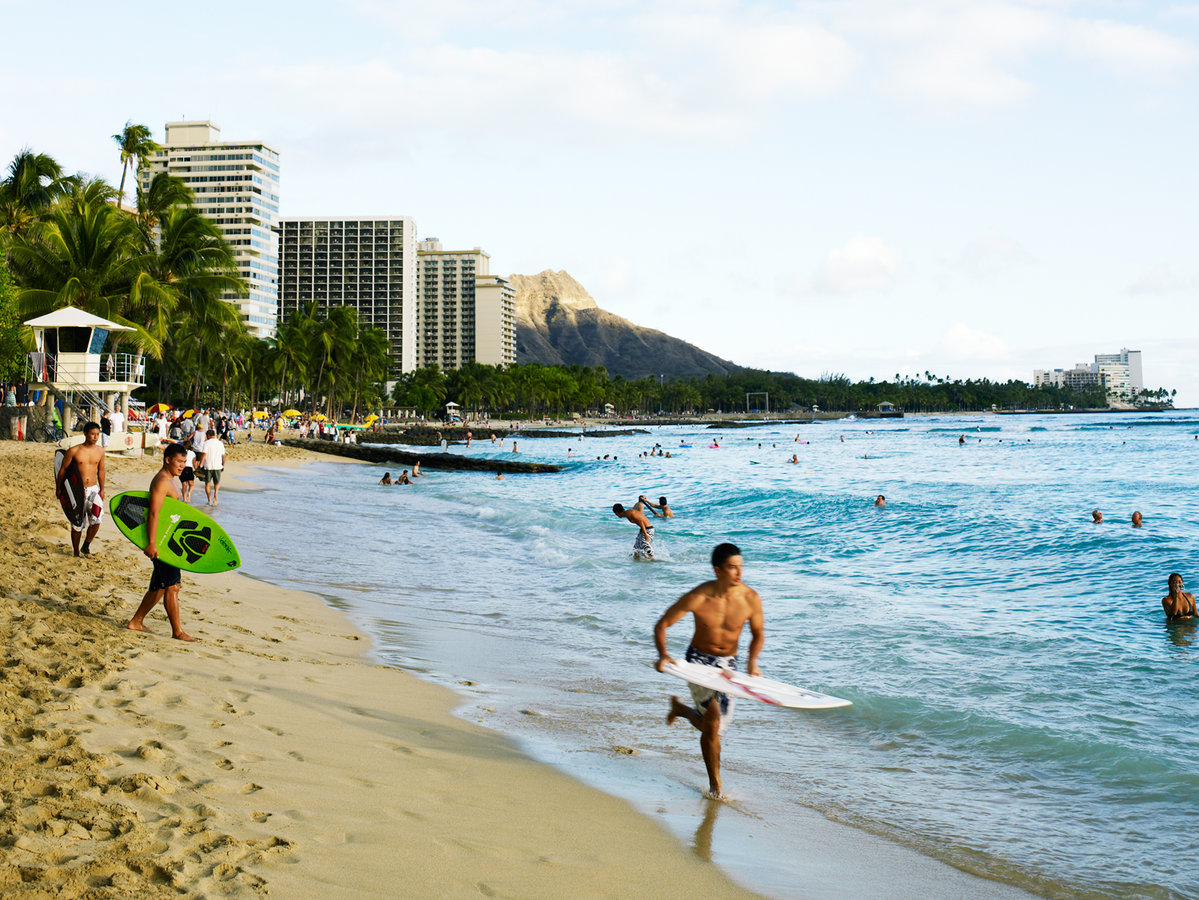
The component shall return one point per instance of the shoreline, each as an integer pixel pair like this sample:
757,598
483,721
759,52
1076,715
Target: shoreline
274,756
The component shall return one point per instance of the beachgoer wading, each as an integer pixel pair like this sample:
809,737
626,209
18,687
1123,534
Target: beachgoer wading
721,608
1178,605
643,544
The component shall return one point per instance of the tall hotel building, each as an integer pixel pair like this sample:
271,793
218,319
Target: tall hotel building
369,264
236,184
464,313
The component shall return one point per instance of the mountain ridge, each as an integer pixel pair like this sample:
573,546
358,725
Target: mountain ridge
559,323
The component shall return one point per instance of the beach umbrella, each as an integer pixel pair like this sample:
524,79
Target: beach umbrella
189,413
259,414
159,407
320,417
371,418
291,412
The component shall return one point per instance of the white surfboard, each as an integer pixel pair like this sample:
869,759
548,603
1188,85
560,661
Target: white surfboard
752,687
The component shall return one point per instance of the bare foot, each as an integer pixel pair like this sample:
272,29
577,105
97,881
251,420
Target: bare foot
184,636
714,794
138,626
676,709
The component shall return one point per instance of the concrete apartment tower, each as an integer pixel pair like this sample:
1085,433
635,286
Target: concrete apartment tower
464,313
369,264
236,184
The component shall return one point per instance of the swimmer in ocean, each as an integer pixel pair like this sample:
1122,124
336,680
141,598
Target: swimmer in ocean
1136,520
880,500
665,511
386,479
1178,604
1096,517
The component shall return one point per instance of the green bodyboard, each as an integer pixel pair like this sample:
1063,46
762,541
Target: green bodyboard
186,537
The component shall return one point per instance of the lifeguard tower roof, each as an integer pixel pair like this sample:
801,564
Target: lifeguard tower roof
73,317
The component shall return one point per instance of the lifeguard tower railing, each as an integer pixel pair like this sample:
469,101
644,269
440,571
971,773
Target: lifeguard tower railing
121,369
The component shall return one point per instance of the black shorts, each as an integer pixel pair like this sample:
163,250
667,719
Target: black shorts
188,474
164,576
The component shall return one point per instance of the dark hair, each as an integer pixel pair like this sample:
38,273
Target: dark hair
661,501
211,433
617,508
172,451
722,553
89,426
1173,575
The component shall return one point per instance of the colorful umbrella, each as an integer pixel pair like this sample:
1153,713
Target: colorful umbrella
189,413
291,412
159,407
259,414
320,417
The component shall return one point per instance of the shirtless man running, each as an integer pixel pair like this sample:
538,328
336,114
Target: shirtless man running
1177,604
643,544
164,582
88,458
721,608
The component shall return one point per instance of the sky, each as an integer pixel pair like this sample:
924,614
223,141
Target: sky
968,189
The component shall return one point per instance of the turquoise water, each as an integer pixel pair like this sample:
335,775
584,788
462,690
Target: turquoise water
1021,710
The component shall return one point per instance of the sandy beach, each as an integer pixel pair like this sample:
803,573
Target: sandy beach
272,758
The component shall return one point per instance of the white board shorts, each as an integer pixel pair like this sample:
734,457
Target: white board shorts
93,508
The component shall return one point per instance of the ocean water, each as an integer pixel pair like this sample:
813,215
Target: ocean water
1021,709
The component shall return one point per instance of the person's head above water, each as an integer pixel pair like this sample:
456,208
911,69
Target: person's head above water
1174,582
880,500
1096,516
1136,520
618,509
661,501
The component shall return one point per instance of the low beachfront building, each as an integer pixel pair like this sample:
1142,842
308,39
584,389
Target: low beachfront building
236,186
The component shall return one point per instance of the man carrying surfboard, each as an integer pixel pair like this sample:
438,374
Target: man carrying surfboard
721,608
88,460
164,582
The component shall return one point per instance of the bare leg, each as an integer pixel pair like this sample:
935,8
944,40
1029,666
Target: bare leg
75,536
148,603
708,724
208,491
171,603
91,536
709,744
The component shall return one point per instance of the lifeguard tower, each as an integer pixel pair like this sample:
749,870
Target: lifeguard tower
70,364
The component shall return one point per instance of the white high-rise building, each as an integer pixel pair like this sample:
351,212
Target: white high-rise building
464,313
369,264
236,184
1129,358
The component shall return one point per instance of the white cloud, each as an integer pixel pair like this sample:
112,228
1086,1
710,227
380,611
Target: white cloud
991,254
1127,46
1162,280
961,343
865,263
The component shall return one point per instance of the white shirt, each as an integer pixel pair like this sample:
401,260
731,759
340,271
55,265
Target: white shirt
214,454
190,460
117,419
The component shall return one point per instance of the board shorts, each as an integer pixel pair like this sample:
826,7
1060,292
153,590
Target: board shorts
188,474
93,508
703,696
164,576
643,545
212,476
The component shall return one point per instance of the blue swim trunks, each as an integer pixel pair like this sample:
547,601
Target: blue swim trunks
702,695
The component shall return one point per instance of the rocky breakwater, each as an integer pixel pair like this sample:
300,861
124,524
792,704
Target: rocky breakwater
392,456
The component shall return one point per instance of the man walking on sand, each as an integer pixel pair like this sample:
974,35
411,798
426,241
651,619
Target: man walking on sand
721,608
88,458
164,582
212,461
643,544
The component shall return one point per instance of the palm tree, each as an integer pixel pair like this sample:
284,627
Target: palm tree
136,145
33,183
